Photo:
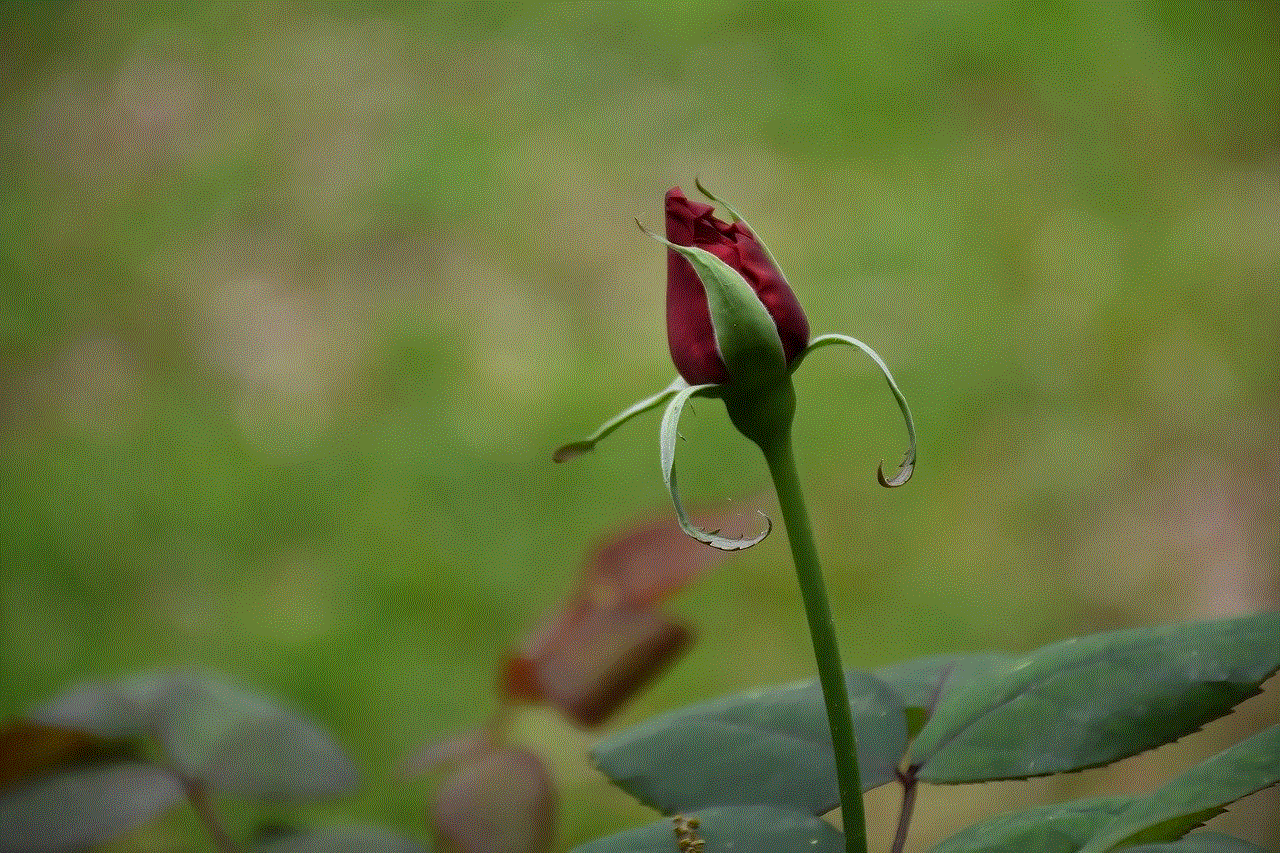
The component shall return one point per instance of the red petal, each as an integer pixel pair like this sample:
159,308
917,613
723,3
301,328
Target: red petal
650,560
689,333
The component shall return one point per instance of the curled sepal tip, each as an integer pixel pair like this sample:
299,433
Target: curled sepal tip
667,451
908,463
573,449
577,448
737,217
905,470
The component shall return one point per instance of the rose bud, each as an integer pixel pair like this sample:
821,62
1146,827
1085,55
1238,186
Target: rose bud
736,332
697,345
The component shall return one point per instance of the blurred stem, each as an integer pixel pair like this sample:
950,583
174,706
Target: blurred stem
198,796
782,466
199,799
909,785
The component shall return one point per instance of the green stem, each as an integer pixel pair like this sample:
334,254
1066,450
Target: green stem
782,466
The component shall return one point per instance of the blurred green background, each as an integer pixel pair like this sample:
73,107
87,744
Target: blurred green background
297,299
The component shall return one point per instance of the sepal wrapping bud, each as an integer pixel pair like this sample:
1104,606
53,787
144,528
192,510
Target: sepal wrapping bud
712,331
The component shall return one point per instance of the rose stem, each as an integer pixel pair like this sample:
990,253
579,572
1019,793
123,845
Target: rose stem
782,466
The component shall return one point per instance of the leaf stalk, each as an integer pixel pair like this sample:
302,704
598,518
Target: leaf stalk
198,796
909,785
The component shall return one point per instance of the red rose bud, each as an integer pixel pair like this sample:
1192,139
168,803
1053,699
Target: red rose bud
690,332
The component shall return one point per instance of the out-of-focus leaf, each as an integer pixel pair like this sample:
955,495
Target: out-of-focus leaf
587,662
769,747
1200,842
503,802
1196,795
123,708
433,756
518,679
1092,700
240,743
648,562
76,808
27,748
924,682
212,732
607,641
342,839
731,829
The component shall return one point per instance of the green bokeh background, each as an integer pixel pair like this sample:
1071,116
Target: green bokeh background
295,300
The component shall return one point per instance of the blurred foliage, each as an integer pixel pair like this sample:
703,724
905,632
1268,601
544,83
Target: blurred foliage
295,302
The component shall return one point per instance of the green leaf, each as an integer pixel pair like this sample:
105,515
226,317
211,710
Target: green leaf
1093,700
1197,794
236,742
908,463
212,732
1056,828
924,682
749,829
70,810
1175,827
124,708
769,746
342,839
577,448
667,441
1200,842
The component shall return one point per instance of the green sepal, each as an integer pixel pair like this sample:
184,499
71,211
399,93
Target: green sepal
737,217
746,334
908,464
667,439
577,448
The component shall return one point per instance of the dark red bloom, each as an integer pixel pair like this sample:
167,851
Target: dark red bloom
689,331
